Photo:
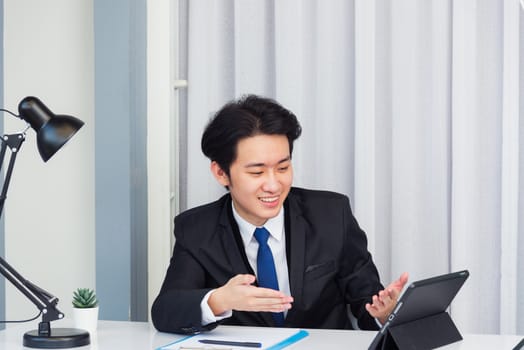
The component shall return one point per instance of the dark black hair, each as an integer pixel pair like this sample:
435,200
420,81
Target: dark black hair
250,115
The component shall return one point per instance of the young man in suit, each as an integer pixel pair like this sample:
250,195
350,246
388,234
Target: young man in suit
317,253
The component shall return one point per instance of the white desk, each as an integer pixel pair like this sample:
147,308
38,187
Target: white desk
113,335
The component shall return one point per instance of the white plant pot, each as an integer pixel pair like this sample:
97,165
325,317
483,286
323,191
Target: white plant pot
86,319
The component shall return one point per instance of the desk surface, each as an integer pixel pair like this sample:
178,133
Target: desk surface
140,335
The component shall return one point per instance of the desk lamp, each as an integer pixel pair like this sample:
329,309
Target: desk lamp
52,132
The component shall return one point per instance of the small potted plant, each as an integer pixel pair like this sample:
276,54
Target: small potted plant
85,309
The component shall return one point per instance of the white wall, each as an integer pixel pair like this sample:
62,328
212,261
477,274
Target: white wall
160,126
49,212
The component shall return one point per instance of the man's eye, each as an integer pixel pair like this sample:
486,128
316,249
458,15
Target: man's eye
255,172
283,169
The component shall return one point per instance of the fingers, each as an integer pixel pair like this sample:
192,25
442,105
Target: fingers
403,279
372,310
261,292
239,294
399,284
386,298
264,299
263,305
268,305
382,305
384,302
242,279
396,287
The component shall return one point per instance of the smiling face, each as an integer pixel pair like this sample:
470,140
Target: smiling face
260,177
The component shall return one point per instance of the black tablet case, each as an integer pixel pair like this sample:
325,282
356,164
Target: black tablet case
420,320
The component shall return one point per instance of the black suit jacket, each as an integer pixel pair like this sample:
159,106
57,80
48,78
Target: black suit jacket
329,265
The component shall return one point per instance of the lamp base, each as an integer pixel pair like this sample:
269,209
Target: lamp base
60,338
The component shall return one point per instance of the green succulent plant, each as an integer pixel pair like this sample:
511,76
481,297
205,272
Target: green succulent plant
84,298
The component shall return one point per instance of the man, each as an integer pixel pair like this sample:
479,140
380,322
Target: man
219,271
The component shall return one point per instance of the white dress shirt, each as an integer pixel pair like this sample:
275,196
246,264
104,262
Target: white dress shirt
277,243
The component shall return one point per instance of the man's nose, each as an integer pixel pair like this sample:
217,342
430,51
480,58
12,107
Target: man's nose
271,183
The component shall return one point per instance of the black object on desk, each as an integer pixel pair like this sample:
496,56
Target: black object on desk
420,321
519,346
232,343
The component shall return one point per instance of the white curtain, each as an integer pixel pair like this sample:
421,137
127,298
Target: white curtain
410,107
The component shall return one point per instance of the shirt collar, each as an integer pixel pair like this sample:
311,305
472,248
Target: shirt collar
275,226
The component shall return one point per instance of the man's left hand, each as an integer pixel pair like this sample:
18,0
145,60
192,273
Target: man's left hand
386,300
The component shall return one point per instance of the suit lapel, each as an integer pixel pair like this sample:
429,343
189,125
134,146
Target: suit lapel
296,230
232,243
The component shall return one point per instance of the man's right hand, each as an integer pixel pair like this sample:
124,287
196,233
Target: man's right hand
239,294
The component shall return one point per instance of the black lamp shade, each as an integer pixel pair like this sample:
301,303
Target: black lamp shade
52,131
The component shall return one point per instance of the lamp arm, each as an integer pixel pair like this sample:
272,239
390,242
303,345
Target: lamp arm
14,142
44,301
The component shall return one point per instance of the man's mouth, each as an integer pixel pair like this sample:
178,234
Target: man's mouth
269,199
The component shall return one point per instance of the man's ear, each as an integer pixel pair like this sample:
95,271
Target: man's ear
219,174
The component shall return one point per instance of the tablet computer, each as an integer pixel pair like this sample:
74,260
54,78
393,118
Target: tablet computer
422,300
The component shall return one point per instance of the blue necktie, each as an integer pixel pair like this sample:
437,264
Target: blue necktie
267,275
